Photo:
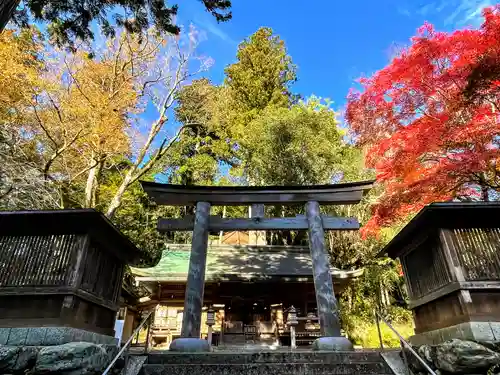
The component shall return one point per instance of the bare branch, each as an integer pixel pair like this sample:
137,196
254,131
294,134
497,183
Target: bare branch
77,83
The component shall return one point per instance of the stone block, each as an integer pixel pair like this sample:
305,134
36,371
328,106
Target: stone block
108,340
461,331
4,335
17,336
450,333
495,328
482,331
368,368
78,335
87,336
190,345
264,356
418,339
55,336
395,361
36,336
466,331
437,336
335,344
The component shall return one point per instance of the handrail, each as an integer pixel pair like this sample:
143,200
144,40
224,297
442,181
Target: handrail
137,330
405,343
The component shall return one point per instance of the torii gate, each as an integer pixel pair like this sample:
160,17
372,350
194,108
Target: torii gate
203,197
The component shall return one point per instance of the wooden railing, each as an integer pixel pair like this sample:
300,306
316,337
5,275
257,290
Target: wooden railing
36,260
478,251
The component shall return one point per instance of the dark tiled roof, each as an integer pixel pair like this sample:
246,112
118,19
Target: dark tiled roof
445,215
239,261
74,221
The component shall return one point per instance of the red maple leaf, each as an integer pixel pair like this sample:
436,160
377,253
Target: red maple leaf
431,120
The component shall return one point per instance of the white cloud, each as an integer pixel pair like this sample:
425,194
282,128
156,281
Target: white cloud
426,9
455,13
211,26
217,31
465,13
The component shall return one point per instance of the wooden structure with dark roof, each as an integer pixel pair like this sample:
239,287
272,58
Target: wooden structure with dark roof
61,268
249,264
237,263
450,253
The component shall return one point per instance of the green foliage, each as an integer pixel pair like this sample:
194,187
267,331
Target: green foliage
263,73
204,144
300,145
364,332
69,21
261,77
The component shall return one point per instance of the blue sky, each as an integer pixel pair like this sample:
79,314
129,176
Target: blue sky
332,42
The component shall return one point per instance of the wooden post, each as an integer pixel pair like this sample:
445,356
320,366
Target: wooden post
221,233
257,237
325,298
455,270
79,258
193,303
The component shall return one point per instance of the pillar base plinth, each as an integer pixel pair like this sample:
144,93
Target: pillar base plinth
332,344
190,345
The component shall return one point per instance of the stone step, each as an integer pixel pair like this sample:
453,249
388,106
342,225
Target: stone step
368,368
279,357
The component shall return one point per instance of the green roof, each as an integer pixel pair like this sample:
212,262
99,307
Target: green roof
236,262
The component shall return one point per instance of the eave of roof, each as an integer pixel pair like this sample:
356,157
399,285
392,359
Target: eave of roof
444,215
237,263
73,221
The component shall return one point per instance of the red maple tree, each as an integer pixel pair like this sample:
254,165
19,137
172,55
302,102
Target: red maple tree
430,120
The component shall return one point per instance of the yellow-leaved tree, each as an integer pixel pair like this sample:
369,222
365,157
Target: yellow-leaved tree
88,113
22,184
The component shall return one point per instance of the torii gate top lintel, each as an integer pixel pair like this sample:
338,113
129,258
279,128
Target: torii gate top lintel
181,195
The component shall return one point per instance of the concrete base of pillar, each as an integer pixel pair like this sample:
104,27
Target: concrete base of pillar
333,344
190,345
473,331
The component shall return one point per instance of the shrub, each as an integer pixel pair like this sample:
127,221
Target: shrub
365,333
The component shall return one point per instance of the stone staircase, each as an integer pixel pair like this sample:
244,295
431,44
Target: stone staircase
266,363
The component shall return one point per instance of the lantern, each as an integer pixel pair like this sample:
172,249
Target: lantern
292,317
210,317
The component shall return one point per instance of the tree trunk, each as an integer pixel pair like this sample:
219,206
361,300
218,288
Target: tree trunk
117,199
92,183
89,187
7,8
382,294
387,297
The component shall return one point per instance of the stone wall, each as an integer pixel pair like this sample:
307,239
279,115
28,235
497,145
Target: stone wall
47,336
76,358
